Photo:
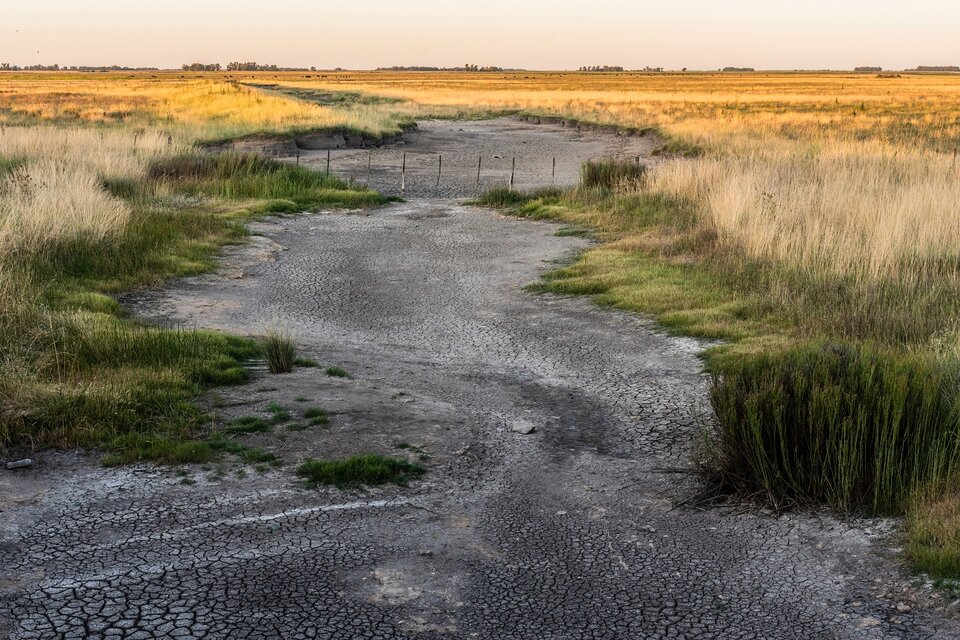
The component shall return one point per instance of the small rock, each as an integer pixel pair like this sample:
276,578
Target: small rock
903,607
523,427
20,464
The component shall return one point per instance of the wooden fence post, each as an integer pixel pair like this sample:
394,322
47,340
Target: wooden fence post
513,168
439,168
479,163
553,176
328,162
369,162
403,174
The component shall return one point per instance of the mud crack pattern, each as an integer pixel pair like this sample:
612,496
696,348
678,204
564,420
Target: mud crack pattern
569,532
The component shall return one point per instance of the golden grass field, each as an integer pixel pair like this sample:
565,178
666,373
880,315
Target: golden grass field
854,174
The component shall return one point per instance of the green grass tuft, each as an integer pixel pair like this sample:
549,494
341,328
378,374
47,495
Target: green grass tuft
504,197
279,351
316,416
247,424
370,469
337,372
608,174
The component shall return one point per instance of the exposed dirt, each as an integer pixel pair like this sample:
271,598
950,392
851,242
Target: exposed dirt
572,531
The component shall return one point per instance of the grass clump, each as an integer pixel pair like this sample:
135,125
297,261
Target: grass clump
506,197
609,174
337,372
369,469
247,424
316,416
279,351
250,455
502,197
173,450
278,413
854,427
284,188
307,363
159,449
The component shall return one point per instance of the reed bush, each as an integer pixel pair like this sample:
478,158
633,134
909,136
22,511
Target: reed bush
610,174
855,427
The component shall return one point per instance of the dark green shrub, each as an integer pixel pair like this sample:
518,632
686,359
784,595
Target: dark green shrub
852,427
608,174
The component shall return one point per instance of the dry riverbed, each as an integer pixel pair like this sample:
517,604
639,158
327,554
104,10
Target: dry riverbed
576,530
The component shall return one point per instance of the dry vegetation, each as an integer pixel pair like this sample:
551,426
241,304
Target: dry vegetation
102,189
833,174
811,220
190,109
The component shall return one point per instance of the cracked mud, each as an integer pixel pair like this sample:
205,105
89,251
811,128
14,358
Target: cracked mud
571,531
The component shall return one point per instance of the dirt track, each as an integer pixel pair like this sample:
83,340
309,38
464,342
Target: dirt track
499,146
569,532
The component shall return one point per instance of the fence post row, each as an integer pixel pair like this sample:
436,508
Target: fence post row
513,168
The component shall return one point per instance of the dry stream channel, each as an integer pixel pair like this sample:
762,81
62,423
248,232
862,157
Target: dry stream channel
575,530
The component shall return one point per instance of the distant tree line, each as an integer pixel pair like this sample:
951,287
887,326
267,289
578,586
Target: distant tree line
473,67
466,67
6,66
952,69
251,66
868,69
254,66
738,69
199,66
602,68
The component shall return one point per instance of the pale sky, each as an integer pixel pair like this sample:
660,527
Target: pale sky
533,34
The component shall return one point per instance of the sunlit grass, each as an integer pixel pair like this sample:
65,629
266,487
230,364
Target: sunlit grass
99,201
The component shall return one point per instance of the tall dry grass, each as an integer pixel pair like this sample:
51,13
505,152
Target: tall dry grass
53,189
869,210
47,201
842,183
102,190
706,109
190,109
